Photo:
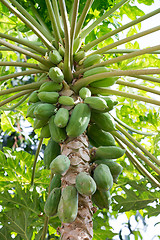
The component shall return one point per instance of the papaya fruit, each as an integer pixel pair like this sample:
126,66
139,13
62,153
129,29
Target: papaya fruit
61,117
39,123
31,108
60,164
43,67
57,134
103,177
79,120
51,151
100,137
96,70
61,49
110,102
48,97
68,205
56,75
55,182
55,57
33,98
102,199
66,100
108,152
44,111
51,204
79,56
106,82
103,121
45,132
85,184
96,103
91,60
84,93
50,87
115,168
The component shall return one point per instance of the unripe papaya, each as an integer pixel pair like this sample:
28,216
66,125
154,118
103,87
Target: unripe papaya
60,164
102,199
103,121
33,98
51,151
79,56
66,100
61,117
51,205
50,87
55,57
45,132
96,103
96,70
43,67
84,93
85,184
48,97
55,182
100,137
91,60
31,108
68,205
57,134
61,49
108,152
106,82
79,120
110,103
114,167
44,111
56,75
39,123
103,177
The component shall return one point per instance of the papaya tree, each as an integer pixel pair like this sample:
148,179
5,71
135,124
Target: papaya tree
89,102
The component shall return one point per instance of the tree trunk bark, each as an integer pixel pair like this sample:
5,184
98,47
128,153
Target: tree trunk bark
77,151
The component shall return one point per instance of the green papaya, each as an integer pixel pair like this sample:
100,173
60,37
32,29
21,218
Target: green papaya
57,134
61,49
60,164
33,98
84,93
51,205
91,60
100,137
56,75
96,103
55,182
102,199
39,123
103,121
50,87
106,82
48,97
79,120
85,184
68,205
103,177
114,167
55,57
44,111
110,102
66,100
96,70
108,152
45,132
51,151
43,67
79,56
31,108
61,117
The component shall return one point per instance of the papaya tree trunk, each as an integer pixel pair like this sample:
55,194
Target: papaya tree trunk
77,151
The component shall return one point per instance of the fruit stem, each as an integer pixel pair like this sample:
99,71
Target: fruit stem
53,23
15,97
137,164
136,151
17,74
26,52
85,32
82,17
29,23
21,64
112,33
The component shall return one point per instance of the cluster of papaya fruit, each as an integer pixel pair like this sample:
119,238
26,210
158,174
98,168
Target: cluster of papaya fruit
61,117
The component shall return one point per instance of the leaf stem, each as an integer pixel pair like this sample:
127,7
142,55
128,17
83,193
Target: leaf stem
112,51
57,16
137,164
137,152
21,64
112,33
35,160
83,16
